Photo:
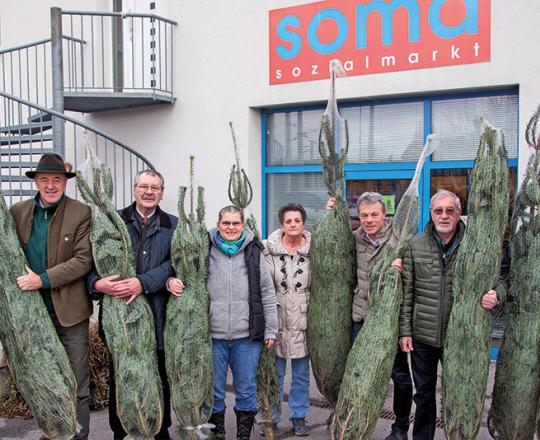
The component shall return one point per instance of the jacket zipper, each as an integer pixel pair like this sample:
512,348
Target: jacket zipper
441,308
229,299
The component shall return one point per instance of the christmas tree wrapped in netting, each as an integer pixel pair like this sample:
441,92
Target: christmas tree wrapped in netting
370,361
268,395
188,346
516,391
36,357
467,344
333,260
128,324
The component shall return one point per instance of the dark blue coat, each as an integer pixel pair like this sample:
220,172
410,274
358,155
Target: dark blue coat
155,263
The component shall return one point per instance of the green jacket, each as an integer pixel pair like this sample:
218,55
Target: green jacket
427,286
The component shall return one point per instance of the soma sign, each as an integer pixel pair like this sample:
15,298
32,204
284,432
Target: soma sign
376,36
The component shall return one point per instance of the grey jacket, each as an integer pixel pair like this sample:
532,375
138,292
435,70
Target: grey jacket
228,289
292,279
366,254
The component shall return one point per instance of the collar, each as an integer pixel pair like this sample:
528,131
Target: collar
128,215
142,215
50,208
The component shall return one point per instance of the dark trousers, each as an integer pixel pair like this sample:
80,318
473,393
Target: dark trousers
403,388
75,341
424,361
114,421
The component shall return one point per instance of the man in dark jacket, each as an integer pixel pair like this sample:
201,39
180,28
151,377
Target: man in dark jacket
427,274
151,231
54,231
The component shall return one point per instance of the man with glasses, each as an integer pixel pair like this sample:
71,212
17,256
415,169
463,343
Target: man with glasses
428,265
151,231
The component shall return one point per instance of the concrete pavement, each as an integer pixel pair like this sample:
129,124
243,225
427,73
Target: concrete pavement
18,429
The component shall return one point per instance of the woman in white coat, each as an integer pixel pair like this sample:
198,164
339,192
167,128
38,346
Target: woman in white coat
287,255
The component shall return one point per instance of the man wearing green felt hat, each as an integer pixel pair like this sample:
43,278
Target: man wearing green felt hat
54,232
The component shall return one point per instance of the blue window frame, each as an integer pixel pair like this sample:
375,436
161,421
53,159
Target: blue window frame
373,170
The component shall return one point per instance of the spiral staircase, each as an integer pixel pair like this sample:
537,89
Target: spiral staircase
93,61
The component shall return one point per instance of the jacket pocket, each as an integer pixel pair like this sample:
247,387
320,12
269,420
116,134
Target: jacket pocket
423,268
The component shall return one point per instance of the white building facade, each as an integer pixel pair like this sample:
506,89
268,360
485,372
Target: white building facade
413,67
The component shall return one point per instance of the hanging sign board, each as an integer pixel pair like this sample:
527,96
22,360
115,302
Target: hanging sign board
376,36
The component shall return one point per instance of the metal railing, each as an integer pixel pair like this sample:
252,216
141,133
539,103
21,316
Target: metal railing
25,134
26,70
124,52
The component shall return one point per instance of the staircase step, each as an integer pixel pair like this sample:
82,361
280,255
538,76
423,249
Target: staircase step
19,192
15,178
40,117
16,164
25,151
17,140
27,128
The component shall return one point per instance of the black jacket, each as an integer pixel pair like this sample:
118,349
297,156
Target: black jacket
154,258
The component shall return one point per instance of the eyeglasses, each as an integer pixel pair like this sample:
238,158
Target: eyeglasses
234,224
144,188
448,211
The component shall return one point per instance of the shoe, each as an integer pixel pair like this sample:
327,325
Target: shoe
396,434
244,424
218,419
300,428
262,432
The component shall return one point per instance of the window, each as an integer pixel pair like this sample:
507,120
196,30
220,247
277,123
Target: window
385,140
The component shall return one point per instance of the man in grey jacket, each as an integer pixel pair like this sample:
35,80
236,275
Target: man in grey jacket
374,233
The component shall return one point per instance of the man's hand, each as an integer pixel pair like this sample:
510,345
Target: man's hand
331,202
398,264
405,344
131,287
490,300
107,285
175,286
30,281
269,342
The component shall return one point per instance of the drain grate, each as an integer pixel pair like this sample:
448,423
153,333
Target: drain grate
322,403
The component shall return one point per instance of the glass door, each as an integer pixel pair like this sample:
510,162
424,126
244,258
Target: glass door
392,184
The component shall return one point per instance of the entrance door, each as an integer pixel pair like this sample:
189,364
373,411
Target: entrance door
391,184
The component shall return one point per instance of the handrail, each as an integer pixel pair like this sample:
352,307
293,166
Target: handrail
37,43
79,123
120,14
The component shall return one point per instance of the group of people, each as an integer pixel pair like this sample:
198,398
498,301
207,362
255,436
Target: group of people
259,293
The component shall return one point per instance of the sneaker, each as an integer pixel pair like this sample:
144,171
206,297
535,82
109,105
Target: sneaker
262,432
396,434
299,427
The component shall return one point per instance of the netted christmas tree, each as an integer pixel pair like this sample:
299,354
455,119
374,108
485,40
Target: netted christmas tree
467,344
128,324
188,346
370,361
268,395
516,391
333,261
37,359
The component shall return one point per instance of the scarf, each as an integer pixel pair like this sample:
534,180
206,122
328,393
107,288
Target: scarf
229,248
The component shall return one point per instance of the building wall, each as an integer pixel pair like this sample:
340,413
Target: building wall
221,75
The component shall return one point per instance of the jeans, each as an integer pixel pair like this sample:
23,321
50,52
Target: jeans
242,355
299,392
424,361
403,389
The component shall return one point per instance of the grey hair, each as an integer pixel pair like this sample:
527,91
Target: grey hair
152,173
443,193
370,198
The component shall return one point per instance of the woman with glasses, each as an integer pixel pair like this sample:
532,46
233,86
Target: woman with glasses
287,255
242,316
